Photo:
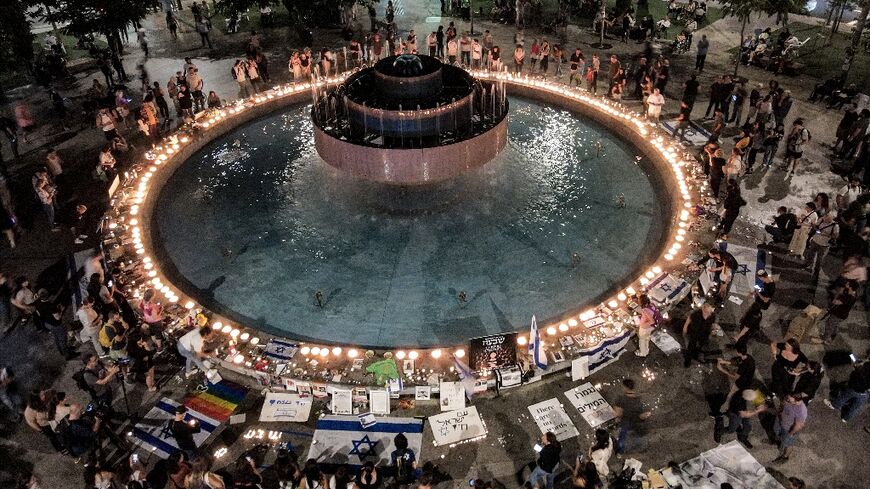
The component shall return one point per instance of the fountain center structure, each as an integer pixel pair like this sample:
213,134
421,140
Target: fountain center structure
409,120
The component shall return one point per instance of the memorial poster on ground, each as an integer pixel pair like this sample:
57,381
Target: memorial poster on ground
284,406
592,406
452,395
492,352
551,416
456,426
342,402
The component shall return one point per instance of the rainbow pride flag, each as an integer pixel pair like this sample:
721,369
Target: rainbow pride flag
217,401
210,405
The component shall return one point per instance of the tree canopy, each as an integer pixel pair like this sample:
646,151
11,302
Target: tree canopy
16,40
83,17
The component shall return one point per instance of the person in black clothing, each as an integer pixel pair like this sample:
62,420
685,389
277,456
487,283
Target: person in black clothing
631,413
808,382
690,91
856,394
696,332
764,293
52,319
548,461
369,478
744,374
717,95
247,476
733,202
717,172
788,363
185,101
750,325
183,431
740,412
81,432
783,226
838,310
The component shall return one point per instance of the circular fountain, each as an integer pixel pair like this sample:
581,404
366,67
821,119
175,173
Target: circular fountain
409,120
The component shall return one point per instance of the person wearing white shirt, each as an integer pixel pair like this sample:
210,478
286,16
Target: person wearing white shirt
476,54
91,324
848,193
190,346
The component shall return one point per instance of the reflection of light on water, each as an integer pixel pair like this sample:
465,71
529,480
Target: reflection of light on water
811,5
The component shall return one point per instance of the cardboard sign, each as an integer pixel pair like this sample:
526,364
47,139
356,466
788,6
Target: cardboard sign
456,426
284,406
549,415
342,402
379,401
579,368
452,396
591,405
492,352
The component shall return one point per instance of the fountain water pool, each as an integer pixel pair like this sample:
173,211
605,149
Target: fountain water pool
254,231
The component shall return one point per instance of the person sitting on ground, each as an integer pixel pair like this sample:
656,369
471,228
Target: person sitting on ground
784,224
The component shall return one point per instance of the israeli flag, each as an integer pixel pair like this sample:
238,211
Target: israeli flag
749,262
466,376
536,347
152,432
343,440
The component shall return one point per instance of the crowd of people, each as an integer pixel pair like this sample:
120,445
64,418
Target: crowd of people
120,341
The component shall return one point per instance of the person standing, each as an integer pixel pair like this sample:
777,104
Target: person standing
798,136
696,332
731,207
855,395
195,85
646,324
432,44
99,378
809,382
160,101
519,59
789,362
239,73
701,57
465,49
690,91
741,409
91,324
575,69
452,50
548,461
790,422
47,193
203,27
630,412
827,231
655,102
807,218
403,459
782,107
838,310
439,41
763,294
183,432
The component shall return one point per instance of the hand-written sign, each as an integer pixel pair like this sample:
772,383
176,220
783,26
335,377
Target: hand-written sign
592,406
282,406
456,426
550,416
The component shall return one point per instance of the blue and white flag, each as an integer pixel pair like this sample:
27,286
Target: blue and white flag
466,376
749,262
343,440
536,346
152,433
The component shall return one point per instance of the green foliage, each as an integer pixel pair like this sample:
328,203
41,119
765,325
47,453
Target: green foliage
742,9
16,41
84,17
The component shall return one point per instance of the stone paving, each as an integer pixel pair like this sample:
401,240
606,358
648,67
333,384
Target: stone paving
829,454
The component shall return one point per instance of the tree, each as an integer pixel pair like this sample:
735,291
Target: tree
858,31
742,9
86,17
16,41
781,8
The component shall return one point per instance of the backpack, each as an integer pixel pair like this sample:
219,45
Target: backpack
658,319
103,337
404,470
81,383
